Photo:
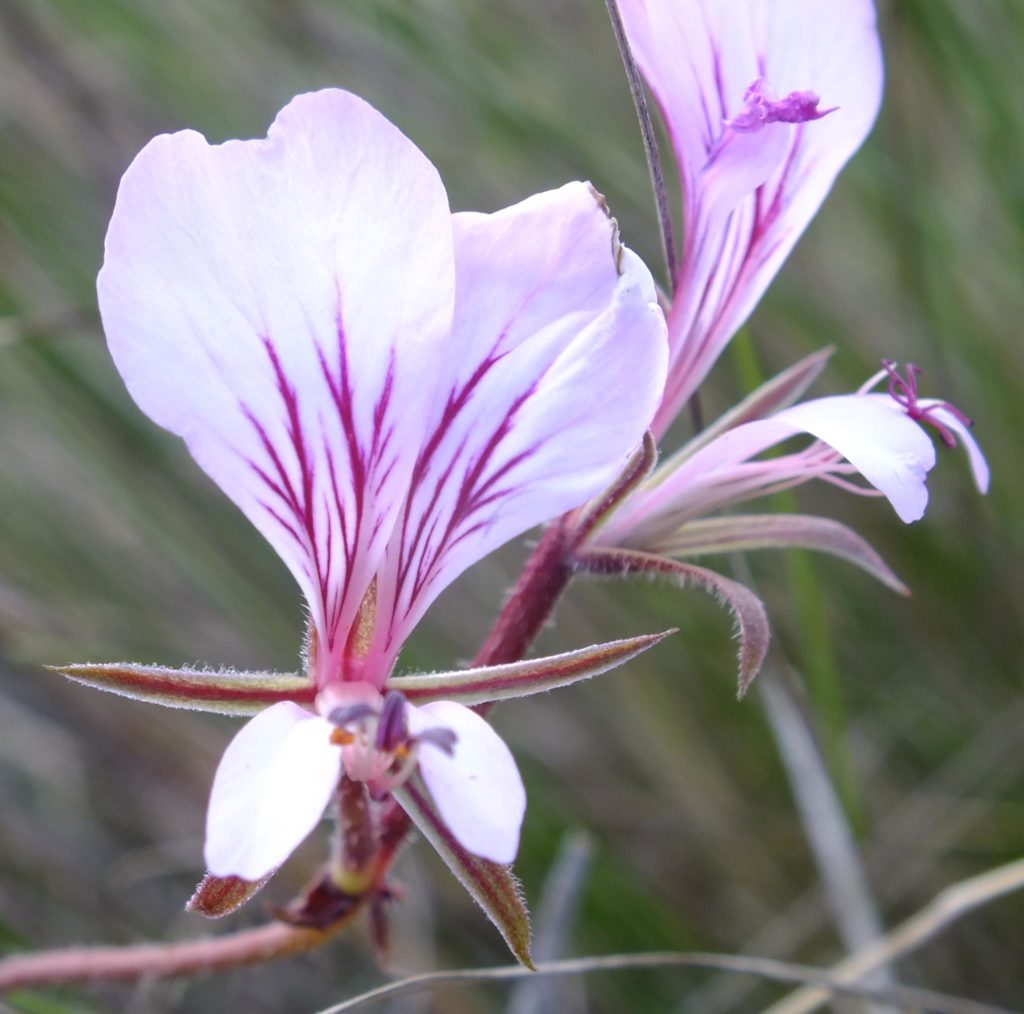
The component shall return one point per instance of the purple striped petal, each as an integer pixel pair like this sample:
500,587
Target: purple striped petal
871,431
280,304
738,83
551,315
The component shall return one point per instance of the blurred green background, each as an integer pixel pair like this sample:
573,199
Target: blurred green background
114,546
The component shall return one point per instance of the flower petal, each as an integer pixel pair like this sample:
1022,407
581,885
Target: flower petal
551,313
279,304
270,790
749,196
878,438
979,466
871,431
477,788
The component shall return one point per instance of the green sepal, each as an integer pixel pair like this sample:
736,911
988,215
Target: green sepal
752,628
223,691
737,533
494,887
521,679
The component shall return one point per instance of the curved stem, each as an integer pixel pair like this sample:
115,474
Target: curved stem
149,961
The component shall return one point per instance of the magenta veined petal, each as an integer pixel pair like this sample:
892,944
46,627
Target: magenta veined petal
870,431
271,787
557,362
279,303
477,788
748,195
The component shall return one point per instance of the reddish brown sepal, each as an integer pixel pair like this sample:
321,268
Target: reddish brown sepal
216,897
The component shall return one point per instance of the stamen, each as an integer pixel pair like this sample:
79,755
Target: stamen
903,390
351,714
391,731
763,108
444,739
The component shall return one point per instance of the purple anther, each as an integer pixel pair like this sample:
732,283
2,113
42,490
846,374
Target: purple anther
351,714
443,739
391,729
903,390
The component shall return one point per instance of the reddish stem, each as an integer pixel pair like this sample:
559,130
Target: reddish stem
540,585
192,957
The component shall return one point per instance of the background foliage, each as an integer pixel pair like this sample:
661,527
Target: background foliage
114,546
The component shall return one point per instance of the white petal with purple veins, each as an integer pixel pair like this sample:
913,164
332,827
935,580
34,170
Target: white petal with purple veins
871,431
270,790
705,61
557,362
279,303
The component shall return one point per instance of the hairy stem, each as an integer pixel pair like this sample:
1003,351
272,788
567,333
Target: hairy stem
158,961
355,847
540,585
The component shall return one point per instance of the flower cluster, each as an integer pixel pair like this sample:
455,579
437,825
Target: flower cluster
389,391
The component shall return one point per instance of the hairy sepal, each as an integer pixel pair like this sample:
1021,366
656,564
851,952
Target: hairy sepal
222,691
216,897
751,619
741,532
781,391
639,468
494,887
521,679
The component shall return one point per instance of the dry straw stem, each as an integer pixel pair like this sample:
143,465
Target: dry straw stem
767,968
948,906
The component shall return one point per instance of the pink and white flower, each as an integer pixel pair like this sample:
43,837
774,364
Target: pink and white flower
754,167
879,436
389,392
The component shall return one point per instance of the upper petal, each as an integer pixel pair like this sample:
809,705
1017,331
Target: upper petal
279,303
477,788
270,790
556,364
743,217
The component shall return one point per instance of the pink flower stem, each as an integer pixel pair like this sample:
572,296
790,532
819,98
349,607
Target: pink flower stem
546,575
190,958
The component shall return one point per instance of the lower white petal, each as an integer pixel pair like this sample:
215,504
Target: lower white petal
979,466
270,790
477,788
